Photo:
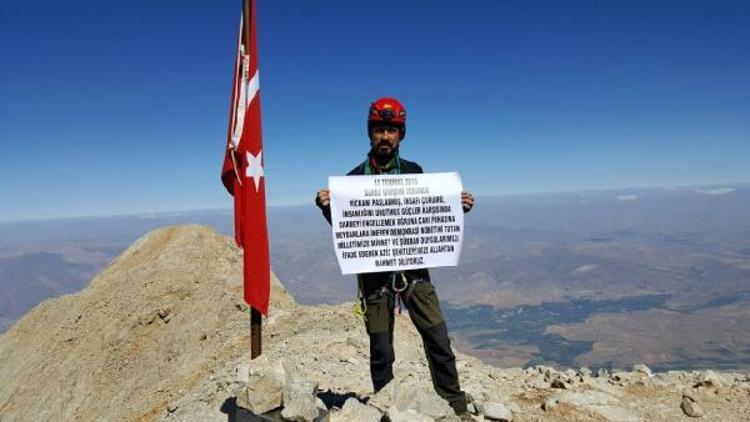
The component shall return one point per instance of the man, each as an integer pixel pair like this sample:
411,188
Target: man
386,128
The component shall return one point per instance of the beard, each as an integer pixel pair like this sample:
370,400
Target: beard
383,151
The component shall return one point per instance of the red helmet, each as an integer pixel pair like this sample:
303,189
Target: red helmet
389,112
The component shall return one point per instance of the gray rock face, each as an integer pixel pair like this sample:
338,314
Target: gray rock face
643,369
497,412
709,378
353,410
408,415
550,403
586,398
261,395
299,400
261,385
558,383
690,407
409,395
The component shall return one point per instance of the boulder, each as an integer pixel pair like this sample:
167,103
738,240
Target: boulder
408,394
497,412
354,410
586,398
550,403
260,395
709,378
690,407
261,384
409,415
643,369
299,400
558,383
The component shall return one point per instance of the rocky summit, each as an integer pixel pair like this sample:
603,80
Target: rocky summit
163,334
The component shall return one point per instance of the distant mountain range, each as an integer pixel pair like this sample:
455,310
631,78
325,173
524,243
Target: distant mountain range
568,278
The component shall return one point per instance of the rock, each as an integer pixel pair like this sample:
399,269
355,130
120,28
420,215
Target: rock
409,415
408,394
164,314
599,402
585,371
643,369
615,413
586,398
602,373
354,410
262,384
383,399
497,412
358,342
548,372
472,405
423,400
691,407
243,372
709,378
550,404
558,383
261,395
324,415
299,400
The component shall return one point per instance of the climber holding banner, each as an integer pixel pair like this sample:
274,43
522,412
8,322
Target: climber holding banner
381,291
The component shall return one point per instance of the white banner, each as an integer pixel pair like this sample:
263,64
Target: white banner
396,222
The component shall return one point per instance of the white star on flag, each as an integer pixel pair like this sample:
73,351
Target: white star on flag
254,168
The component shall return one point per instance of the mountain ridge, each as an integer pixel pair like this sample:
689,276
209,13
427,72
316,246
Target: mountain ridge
162,334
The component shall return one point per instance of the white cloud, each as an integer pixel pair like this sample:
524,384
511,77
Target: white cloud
717,191
627,197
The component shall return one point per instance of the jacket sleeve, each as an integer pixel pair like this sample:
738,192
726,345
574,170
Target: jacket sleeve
326,210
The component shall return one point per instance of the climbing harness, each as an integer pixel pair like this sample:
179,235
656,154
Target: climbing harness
399,288
396,289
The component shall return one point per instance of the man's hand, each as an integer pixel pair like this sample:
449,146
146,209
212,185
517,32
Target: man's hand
467,200
324,198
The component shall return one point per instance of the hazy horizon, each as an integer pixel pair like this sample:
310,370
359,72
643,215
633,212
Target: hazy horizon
228,207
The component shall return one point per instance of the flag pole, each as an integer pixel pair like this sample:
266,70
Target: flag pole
256,323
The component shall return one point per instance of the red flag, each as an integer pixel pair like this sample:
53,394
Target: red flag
242,172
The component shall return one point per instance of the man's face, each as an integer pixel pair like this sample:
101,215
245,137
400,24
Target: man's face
384,140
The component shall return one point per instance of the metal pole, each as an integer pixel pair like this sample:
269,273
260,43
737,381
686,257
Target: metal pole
256,342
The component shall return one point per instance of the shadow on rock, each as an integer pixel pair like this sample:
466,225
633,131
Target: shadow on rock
331,399
238,414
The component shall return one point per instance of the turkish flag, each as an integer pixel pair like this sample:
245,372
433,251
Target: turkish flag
243,169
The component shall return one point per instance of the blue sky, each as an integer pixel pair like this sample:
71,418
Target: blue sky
110,108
